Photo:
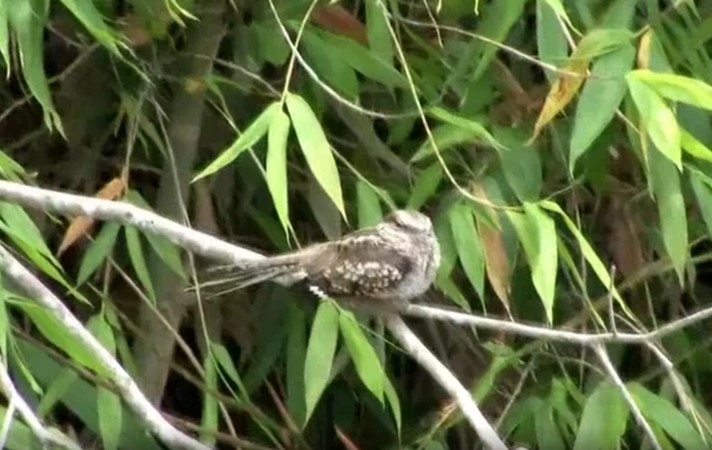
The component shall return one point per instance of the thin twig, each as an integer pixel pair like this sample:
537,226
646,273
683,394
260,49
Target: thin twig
606,361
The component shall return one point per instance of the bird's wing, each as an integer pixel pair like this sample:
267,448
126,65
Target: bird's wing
362,264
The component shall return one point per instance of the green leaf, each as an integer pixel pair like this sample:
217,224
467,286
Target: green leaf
661,411
677,87
360,58
657,117
209,417
168,252
316,148
108,403
599,99
603,421
4,319
24,228
56,390
394,402
52,329
601,41
27,19
547,433
277,165
87,13
320,354
254,132
445,136
469,246
475,127
5,36
138,260
364,356
98,250
10,168
703,193
369,205
537,233
222,356
665,182
521,164
499,18
551,39
379,37
338,74
691,145
425,186
589,253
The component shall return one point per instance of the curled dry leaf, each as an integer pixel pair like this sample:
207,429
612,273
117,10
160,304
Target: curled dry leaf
644,50
83,224
496,262
561,93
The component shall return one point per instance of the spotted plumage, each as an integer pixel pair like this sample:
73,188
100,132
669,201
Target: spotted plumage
394,260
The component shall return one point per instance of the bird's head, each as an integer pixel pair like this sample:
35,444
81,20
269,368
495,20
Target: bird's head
411,221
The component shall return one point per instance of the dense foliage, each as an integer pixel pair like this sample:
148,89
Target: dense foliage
562,148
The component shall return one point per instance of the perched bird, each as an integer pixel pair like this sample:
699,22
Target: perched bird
395,261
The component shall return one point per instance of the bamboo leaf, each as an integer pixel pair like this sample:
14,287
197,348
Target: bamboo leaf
320,354
316,149
277,165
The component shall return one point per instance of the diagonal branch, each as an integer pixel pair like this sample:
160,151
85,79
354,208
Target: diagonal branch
42,433
125,385
447,380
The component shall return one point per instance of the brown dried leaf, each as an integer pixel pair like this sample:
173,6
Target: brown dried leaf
339,21
561,93
496,262
644,50
82,225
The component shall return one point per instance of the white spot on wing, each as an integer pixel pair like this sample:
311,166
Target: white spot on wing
316,290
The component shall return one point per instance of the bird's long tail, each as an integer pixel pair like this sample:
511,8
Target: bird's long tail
221,280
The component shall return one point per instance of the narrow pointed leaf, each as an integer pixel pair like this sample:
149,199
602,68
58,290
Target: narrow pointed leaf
658,120
277,165
254,132
138,260
316,148
320,354
469,245
364,356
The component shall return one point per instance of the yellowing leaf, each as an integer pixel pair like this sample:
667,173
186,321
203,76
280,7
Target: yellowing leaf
567,85
496,262
658,119
562,92
316,149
